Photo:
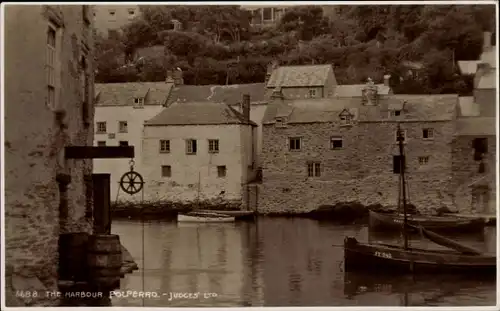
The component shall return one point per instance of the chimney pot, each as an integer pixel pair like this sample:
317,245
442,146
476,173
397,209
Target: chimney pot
387,79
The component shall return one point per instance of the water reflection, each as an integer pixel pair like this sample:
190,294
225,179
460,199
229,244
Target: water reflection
275,262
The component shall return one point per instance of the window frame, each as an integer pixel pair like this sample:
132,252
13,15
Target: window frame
429,130
314,169
166,143
213,146
166,168
423,160
294,139
121,128
221,168
190,143
98,124
121,143
336,138
51,64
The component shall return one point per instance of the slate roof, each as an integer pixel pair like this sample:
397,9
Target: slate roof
198,113
229,94
355,90
467,107
299,76
416,107
476,126
123,94
318,110
488,80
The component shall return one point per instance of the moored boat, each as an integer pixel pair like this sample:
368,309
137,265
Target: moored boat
394,222
204,217
392,259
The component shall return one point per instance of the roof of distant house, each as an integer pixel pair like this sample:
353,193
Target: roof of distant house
229,94
476,126
415,107
198,113
355,90
467,107
123,94
299,76
488,80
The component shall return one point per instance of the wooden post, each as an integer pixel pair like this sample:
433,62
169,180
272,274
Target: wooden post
63,180
102,202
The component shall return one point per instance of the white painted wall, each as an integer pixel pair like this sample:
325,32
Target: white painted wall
192,171
135,118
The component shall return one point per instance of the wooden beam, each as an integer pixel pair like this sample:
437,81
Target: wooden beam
90,152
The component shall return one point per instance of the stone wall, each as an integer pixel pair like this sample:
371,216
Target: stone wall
35,135
362,170
466,175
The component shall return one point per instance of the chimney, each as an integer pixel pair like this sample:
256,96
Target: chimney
270,68
277,94
387,79
245,109
486,41
177,75
369,93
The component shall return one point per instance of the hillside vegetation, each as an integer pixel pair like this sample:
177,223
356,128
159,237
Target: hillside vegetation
218,46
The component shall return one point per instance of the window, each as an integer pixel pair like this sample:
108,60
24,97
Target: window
221,171
313,169
101,143
267,14
336,142
480,146
396,164
395,113
280,122
166,171
112,12
345,120
294,143
312,93
101,127
51,66
423,160
139,101
122,126
191,146
428,133
164,146
123,143
403,133
131,11
213,145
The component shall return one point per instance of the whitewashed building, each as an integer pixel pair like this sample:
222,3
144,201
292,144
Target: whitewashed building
199,151
120,112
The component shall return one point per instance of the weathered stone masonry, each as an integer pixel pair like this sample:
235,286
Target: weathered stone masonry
36,131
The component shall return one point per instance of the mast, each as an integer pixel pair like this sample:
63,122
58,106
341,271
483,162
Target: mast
403,187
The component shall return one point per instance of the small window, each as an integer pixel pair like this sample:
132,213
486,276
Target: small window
123,143
221,171
396,164
213,145
314,169
312,93
131,12
101,127
294,143
336,142
280,122
164,146
112,12
346,120
423,160
403,134
480,145
139,101
101,143
166,171
122,127
395,113
428,133
191,147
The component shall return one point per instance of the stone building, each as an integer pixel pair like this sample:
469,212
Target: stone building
113,17
199,151
48,105
329,150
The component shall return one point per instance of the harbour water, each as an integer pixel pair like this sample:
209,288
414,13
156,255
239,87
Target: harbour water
276,262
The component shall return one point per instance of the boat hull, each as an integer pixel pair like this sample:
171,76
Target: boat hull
204,217
238,215
394,222
395,259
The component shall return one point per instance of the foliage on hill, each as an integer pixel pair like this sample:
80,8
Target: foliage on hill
219,46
